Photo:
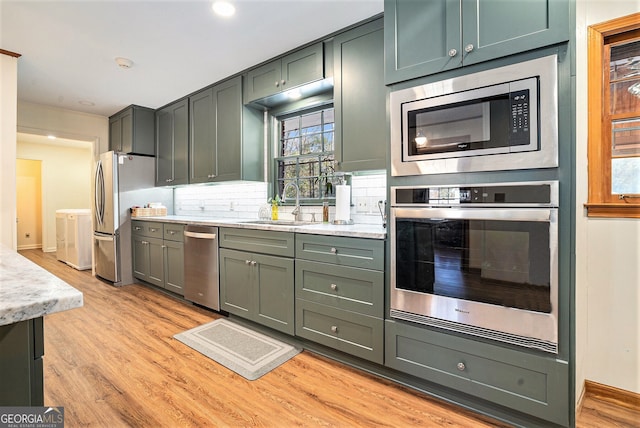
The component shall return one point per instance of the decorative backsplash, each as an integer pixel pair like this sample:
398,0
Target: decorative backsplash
242,200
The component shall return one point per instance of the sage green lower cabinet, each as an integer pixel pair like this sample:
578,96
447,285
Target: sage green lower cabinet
21,365
521,381
340,293
256,286
157,260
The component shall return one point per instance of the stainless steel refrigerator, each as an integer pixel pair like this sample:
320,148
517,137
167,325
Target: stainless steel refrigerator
121,181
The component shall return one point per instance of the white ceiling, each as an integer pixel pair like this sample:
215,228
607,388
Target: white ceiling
69,47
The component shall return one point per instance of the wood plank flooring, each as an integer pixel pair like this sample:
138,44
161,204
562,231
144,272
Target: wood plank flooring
114,363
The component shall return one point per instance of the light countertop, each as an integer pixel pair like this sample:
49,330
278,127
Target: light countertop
371,231
28,291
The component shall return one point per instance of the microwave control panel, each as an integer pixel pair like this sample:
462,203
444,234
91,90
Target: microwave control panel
520,126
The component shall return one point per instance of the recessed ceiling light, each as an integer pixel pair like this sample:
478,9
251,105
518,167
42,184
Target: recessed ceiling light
86,103
223,8
51,137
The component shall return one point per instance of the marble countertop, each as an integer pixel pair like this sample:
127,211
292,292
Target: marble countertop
371,231
28,291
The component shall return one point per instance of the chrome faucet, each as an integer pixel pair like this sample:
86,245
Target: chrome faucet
297,215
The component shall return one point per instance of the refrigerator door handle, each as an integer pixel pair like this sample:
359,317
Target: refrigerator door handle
99,194
103,238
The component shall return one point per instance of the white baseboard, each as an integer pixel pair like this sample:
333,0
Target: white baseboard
29,247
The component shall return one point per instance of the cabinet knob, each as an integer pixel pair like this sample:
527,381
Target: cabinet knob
282,82
164,246
247,262
172,232
468,48
277,83
153,229
211,176
334,287
253,262
334,250
461,366
453,52
334,328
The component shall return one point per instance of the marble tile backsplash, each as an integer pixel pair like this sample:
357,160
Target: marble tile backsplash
243,200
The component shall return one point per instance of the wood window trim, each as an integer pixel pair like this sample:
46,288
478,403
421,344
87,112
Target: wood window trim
601,203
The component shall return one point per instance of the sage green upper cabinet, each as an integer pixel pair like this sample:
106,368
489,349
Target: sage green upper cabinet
172,144
225,140
360,98
298,68
424,37
132,131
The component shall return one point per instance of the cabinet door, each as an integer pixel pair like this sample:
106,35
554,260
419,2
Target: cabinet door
263,81
202,142
493,29
126,119
275,292
360,98
140,254
156,262
228,129
172,144
115,134
303,66
174,266
236,296
421,38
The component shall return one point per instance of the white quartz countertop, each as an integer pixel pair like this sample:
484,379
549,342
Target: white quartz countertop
28,291
371,231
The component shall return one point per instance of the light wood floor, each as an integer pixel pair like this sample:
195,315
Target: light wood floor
114,363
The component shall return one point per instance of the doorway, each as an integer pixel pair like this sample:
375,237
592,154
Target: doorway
66,180
29,203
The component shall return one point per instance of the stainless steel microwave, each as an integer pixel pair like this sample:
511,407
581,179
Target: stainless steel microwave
498,119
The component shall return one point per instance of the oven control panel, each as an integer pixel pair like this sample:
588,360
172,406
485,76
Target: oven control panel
508,194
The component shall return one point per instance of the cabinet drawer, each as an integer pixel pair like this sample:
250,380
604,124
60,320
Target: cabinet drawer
355,334
174,232
356,252
258,241
342,287
151,229
517,380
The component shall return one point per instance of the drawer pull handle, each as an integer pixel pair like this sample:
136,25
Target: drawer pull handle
334,329
153,230
334,287
461,366
334,250
172,232
137,228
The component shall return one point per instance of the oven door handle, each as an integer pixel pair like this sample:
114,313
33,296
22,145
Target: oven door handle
505,214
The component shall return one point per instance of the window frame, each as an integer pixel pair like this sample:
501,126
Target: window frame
277,119
601,202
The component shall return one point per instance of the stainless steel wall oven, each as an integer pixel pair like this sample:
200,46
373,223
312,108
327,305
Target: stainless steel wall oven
503,118
478,259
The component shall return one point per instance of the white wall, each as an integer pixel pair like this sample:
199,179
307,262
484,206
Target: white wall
607,250
44,120
66,182
8,97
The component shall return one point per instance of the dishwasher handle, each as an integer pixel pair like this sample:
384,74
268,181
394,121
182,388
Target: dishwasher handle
199,235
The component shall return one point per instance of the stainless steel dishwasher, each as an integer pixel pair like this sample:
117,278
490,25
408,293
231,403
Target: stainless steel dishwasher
201,281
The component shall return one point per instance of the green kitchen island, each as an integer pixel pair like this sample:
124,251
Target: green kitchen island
27,293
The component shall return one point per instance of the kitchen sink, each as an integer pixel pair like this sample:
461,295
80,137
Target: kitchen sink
279,222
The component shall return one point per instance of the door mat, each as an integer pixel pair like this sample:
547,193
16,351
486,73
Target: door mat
238,348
